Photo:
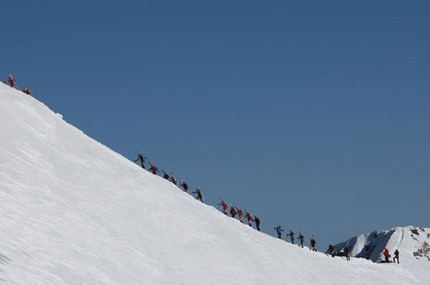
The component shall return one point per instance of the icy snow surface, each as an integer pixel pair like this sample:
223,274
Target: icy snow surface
75,212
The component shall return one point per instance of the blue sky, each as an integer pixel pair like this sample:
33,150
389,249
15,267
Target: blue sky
314,115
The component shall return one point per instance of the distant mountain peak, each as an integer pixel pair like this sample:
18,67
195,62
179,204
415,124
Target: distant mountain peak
408,240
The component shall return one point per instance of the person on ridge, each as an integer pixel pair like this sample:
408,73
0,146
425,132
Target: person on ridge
386,254
224,207
142,160
240,213
279,231
153,169
27,91
184,185
292,236
232,211
165,175
257,222
313,243
249,218
199,194
396,256
301,238
12,82
173,179
331,249
346,251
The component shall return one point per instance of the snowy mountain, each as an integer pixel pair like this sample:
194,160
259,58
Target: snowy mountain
75,212
412,242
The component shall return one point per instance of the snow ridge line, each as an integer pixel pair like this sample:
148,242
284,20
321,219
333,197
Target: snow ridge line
400,240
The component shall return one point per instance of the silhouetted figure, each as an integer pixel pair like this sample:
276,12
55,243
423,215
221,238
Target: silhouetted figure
346,251
12,82
165,175
257,222
313,243
184,185
199,194
301,238
224,207
142,160
279,231
240,213
386,254
292,236
396,256
153,169
173,179
249,218
331,249
27,91
233,212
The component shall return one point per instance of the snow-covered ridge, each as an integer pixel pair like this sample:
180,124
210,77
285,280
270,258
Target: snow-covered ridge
72,211
412,241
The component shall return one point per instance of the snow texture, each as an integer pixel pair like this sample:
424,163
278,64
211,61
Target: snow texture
75,212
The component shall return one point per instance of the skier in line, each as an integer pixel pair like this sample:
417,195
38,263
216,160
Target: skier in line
142,160
224,207
331,249
27,91
292,236
240,213
279,231
12,82
386,253
184,185
173,179
346,251
301,238
232,211
249,218
165,175
257,222
199,194
313,243
153,169
396,256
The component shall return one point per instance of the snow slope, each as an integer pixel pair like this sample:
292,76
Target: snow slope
75,212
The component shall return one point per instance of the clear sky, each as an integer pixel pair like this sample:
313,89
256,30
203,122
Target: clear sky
311,114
